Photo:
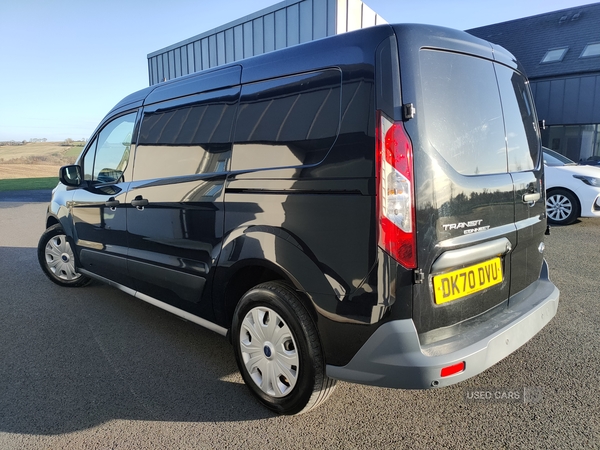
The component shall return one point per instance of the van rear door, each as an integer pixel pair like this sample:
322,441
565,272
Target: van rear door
475,155
526,168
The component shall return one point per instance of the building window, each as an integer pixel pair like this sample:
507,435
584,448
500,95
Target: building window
554,55
591,50
576,142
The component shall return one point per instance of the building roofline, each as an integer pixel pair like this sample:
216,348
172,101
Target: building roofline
536,16
227,26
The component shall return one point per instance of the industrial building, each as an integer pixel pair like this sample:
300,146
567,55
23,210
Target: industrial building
560,52
282,25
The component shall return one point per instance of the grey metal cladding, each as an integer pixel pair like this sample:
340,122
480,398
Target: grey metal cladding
177,53
205,54
212,51
190,58
293,25
306,21
258,36
247,39
319,20
238,35
197,60
269,32
282,25
221,49
570,101
229,46
280,29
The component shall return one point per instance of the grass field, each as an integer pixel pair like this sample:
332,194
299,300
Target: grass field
47,150
73,152
40,160
27,184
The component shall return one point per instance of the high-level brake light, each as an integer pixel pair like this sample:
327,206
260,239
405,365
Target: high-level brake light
395,192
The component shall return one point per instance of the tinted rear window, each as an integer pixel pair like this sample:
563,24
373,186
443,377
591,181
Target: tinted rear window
463,112
519,115
464,99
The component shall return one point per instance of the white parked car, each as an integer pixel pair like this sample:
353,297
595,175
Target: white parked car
572,190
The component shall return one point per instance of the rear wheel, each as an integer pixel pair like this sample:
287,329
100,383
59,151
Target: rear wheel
562,207
277,350
57,260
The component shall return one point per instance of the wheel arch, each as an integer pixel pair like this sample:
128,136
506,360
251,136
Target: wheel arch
51,221
256,255
241,278
59,213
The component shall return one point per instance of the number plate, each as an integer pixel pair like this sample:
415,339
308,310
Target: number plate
460,283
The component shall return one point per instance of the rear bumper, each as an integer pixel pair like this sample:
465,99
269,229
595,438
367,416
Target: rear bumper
394,357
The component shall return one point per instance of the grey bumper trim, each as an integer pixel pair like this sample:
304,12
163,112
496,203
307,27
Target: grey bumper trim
472,254
393,356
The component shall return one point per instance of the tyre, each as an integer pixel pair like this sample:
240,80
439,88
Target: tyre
57,260
277,350
562,207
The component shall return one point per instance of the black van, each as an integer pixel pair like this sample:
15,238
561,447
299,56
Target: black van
368,207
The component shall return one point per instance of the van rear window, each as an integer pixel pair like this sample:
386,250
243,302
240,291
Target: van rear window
463,112
479,115
519,115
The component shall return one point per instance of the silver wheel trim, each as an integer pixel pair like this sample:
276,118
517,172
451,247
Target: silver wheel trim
59,258
558,207
269,351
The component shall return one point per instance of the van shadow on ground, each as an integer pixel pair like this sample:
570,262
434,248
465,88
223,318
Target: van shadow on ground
75,358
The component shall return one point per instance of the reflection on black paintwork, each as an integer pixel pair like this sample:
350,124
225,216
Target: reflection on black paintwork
186,138
287,122
181,160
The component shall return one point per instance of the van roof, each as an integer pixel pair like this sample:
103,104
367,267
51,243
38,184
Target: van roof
347,48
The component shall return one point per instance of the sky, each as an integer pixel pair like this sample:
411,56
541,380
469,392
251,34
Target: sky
65,63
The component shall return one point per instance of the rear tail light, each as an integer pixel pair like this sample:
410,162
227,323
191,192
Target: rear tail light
395,192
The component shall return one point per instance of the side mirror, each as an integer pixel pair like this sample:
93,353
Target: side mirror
70,175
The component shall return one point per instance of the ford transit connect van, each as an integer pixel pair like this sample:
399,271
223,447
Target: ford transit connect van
367,207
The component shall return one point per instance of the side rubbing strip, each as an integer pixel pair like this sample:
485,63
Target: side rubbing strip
183,314
178,312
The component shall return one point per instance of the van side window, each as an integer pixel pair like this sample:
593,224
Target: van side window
108,155
88,161
186,137
462,112
521,129
287,122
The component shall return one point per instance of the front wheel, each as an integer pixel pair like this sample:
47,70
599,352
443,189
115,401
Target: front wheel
277,350
57,260
562,207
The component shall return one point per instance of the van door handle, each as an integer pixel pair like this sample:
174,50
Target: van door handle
112,203
531,198
139,202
